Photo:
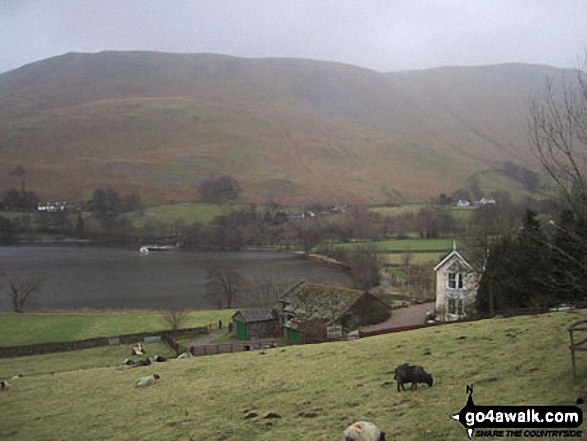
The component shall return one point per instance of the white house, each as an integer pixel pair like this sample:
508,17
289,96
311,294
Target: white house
456,287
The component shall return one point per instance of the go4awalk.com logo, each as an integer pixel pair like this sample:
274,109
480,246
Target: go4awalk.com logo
518,421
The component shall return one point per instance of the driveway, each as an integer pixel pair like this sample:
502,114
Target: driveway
410,316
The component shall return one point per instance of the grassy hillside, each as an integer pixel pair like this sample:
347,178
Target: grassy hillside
317,390
290,130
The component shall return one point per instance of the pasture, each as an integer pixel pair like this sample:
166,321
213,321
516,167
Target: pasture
32,328
313,391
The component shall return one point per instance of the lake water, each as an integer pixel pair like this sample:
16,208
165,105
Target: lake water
114,278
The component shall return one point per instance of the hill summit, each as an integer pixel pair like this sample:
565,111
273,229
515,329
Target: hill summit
289,130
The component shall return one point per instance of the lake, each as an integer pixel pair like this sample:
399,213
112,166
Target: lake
114,278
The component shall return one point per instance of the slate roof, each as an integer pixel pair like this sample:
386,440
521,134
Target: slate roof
256,315
311,301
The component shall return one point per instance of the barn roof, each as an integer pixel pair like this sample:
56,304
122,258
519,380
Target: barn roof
255,315
312,301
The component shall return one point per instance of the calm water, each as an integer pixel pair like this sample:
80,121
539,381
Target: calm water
101,278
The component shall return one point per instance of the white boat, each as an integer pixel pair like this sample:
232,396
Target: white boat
146,249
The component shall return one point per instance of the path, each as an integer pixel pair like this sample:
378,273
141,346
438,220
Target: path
207,339
410,316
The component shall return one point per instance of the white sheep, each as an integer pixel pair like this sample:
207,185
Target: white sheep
4,385
146,381
363,431
184,356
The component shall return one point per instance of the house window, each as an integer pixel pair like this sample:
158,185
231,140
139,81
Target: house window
455,306
454,280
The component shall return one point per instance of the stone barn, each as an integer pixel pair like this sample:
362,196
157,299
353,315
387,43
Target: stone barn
254,324
306,307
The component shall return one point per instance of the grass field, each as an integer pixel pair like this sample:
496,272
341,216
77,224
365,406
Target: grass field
24,329
187,213
404,245
317,390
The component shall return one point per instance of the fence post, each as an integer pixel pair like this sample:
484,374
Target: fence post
572,351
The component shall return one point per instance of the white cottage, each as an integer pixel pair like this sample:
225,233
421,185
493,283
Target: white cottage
456,287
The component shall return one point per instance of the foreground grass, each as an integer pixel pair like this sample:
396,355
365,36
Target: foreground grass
317,390
24,329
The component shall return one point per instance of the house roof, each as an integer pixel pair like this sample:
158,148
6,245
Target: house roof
255,315
454,255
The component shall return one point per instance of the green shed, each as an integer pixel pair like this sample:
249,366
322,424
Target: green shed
254,324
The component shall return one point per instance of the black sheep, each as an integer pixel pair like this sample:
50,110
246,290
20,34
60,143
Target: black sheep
407,373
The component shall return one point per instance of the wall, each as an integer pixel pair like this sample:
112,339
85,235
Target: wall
48,348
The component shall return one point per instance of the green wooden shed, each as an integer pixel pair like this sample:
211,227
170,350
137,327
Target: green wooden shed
254,324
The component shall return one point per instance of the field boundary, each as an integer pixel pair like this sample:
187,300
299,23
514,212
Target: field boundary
64,346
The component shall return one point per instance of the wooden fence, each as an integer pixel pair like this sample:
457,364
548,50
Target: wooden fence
576,343
227,348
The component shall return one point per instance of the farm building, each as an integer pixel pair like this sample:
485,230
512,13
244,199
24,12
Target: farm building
310,308
456,287
254,324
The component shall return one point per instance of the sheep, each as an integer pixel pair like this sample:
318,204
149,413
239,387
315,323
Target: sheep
128,362
413,374
138,349
146,362
160,358
363,431
146,381
184,356
4,385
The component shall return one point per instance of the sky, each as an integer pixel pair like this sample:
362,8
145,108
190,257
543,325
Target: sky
384,35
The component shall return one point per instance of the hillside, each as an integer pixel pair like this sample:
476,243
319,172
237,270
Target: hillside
317,390
289,130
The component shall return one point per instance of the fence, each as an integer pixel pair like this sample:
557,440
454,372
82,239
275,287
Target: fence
166,336
581,345
228,348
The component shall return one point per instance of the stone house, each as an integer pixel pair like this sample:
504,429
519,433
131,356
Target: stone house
456,287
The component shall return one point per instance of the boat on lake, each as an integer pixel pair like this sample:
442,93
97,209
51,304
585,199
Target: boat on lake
146,249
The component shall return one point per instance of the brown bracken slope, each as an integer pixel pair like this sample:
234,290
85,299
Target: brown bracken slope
290,130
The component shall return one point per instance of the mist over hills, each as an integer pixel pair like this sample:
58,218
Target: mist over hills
289,130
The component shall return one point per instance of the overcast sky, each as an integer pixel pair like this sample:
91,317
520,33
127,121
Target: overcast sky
385,35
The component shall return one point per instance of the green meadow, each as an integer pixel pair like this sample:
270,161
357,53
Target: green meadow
404,245
31,328
316,390
187,213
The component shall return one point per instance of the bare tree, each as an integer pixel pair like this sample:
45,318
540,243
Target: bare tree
558,134
264,290
225,284
175,317
20,288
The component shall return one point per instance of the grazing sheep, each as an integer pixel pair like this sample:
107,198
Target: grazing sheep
146,381
363,431
4,385
138,349
160,358
128,362
184,356
146,362
407,373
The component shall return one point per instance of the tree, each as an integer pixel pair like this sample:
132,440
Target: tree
517,270
175,317
264,289
558,134
225,284
364,263
220,190
21,288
